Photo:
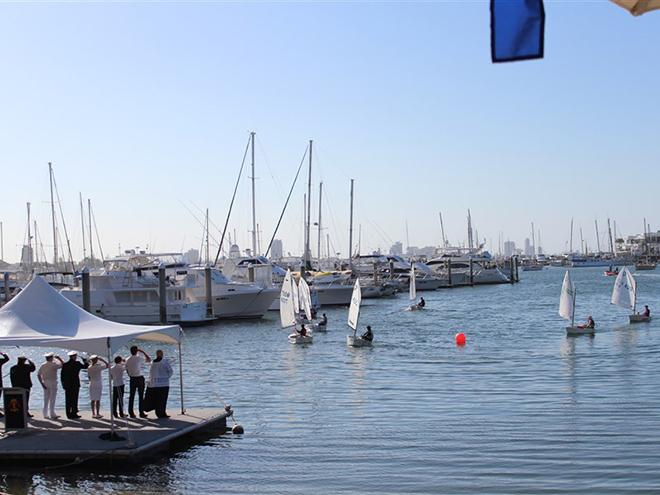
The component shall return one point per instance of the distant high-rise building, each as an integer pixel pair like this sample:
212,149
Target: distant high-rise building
528,250
396,249
276,250
509,248
191,256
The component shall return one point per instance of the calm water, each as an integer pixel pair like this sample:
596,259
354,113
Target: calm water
520,409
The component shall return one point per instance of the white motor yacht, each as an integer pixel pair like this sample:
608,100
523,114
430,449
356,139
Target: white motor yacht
484,270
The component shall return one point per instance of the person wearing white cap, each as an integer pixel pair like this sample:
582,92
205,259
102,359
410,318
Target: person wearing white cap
20,377
47,376
70,377
96,383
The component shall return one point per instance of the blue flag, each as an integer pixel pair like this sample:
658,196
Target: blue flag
516,29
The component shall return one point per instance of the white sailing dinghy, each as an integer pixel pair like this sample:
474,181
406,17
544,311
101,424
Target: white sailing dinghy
306,305
624,295
567,308
354,316
413,290
288,301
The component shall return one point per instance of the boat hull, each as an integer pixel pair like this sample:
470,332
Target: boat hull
575,331
639,319
244,304
298,339
355,341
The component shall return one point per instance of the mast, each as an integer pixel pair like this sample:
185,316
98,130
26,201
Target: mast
573,312
82,224
207,236
597,236
582,242
645,247
35,253
318,250
533,242
470,240
614,237
609,235
91,244
254,211
350,232
327,245
52,211
442,229
29,236
570,246
308,260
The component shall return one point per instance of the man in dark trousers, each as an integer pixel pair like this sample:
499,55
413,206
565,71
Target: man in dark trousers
4,359
136,379
20,377
70,376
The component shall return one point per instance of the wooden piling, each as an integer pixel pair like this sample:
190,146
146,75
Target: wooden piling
86,290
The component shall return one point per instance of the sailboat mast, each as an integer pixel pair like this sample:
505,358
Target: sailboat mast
91,243
207,236
350,232
597,237
609,235
570,246
469,219
82,226
442,229
35,255
29,236
254,210
573,312
318,249
309,208
52,211
533,242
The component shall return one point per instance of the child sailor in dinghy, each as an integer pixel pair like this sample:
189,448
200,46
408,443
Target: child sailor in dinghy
368,335
589,324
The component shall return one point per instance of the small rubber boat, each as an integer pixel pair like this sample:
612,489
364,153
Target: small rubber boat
639,319
609,273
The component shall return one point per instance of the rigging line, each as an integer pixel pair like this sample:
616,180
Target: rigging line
231,205
263,152
96,231
286,203
379,231
66,234
202,224
339,237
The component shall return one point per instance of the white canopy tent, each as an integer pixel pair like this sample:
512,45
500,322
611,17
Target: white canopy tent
40,316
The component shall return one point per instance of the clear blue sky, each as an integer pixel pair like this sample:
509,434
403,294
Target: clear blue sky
146,109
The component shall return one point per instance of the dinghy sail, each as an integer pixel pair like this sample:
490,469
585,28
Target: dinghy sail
567,300
287,310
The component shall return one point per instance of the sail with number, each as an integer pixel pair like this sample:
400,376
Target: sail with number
624,293
413,283
567,299
287,311
305,298
354,309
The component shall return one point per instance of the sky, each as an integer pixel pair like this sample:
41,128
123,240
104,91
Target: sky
146,109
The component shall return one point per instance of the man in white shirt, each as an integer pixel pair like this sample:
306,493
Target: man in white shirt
117,377
136,380
159,383
47,375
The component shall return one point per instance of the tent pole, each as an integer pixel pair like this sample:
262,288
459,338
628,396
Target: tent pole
183,410
112,418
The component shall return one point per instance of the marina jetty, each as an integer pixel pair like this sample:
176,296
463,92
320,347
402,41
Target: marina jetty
40,317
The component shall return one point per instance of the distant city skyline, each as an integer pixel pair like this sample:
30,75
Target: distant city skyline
146,109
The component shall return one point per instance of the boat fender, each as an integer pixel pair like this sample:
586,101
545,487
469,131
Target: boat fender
237,429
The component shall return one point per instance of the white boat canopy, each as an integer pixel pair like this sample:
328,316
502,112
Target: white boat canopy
40,316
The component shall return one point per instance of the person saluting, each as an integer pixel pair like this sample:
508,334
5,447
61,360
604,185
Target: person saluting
70,377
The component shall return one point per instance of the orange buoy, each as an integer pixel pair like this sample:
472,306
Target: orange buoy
460,338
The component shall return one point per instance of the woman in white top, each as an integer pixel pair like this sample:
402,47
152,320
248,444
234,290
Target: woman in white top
96,383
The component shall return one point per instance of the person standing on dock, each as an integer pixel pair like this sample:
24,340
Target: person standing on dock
70,377
3,360
136,380
96,383
20,377
47,376
159,383
117,377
